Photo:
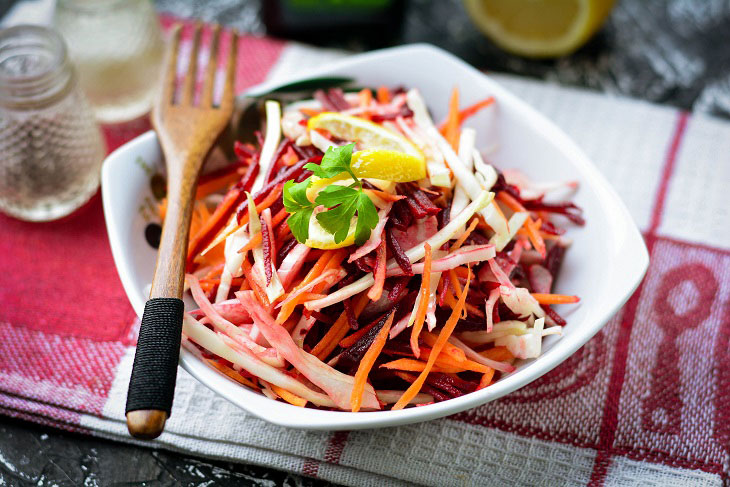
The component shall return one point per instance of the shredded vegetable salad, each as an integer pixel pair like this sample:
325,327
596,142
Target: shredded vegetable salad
362,256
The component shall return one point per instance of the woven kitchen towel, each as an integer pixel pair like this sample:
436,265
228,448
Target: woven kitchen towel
645,402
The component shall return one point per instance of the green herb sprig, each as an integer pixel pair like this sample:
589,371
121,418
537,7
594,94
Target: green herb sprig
343,202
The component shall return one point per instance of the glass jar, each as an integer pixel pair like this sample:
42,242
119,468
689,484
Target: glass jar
50,147
117,48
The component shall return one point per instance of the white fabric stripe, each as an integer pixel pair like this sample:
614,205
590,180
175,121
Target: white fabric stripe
697,207
625,472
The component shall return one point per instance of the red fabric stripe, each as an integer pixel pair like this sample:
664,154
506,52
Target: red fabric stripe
310,467
610,410
335,447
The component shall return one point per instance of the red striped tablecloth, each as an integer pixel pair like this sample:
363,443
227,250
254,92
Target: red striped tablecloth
646,401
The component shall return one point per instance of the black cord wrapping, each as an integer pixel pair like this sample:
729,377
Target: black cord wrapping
152,385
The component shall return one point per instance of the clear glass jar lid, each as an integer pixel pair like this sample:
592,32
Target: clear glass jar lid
34,66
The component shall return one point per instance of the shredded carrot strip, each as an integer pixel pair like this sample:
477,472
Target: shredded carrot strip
309,297
214,271
350,340
367,362
256,239
413,365
555,298
546,236
451,127
443,337
310,112
474,109
384,196
500,354
258,290
210,187
268,201
423,303
533,233
445,361
338,331
530,226
460,241
486,379
289,397
290,157
376,290
315,271
236,281
383,94
454,281
232,374
510,201
452,351
365,97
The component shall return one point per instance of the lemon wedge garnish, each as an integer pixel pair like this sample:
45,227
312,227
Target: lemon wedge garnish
539,28
319,238
367,134
390,165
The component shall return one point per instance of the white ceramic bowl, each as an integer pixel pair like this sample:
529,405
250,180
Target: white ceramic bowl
605,264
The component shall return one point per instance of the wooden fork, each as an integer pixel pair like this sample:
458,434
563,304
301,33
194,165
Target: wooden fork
186,133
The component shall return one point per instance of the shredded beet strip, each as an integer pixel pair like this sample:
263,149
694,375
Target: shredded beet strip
400,256
418,198
289,173
236,196
400,216
398,286
437,394
337,97
570,210
554,260
270,171
266,244
306,151
285,249
242,151
549,227
351,356
559,320
350,312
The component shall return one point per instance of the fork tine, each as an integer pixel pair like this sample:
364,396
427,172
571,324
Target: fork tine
189,85
229,87
170,73
209,83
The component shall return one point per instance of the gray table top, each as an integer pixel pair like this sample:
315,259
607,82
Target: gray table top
667,51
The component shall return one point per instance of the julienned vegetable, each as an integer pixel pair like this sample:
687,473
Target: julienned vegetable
365,258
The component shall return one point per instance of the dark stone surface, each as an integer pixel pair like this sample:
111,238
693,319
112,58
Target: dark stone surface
32,455
668,51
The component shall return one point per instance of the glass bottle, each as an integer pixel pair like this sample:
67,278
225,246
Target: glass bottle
117,48
50,147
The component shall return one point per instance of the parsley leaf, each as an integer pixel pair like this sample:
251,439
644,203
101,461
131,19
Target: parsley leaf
299,207
367,218
335,161
342,202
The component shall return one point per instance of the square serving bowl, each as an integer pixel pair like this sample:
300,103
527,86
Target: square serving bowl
604,265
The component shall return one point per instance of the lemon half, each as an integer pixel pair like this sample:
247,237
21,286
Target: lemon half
369,135
539,28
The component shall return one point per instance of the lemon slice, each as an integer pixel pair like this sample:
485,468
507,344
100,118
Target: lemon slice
369,135
391,165
539,28
319,238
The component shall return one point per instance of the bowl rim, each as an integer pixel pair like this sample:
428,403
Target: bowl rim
285,414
